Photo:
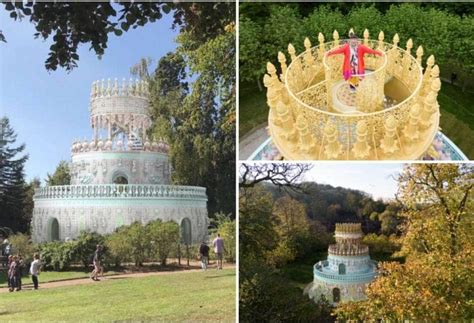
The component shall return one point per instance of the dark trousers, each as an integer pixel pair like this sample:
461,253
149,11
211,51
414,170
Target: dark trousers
35,281
13,282
18,284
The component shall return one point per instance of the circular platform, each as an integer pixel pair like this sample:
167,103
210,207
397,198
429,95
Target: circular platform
442,145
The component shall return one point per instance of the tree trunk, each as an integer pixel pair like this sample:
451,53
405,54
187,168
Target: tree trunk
187,253
259,83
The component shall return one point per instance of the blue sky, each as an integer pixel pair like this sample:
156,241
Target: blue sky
48,110
377,179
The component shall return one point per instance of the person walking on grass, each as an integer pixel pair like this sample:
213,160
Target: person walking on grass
219,249
204,253
35,269
9,262
13,275
19,272
96,261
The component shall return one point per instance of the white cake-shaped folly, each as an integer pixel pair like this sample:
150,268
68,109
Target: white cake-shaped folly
119,176
344,276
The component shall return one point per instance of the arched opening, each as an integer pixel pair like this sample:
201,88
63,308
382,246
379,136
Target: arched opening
186,237
342,269
120,179
336,295
53,229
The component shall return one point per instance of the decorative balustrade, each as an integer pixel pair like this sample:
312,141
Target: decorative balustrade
349,277
111,191
350,250
374,129
137,88
117,146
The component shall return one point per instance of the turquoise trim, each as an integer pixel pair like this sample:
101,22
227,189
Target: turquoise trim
349,278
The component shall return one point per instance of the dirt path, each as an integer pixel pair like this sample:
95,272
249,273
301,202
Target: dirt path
83,281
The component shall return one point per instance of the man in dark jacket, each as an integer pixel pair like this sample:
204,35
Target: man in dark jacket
204,253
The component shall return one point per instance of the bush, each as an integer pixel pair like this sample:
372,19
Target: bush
57,255
265,294
118,246
163,239
226,228
21,245
380,244
85,245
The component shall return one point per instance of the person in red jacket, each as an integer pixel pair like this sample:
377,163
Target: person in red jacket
353,58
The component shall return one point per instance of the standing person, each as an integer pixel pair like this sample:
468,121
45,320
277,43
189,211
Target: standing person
35,269
96,262
9,262
219,249
204,252
354,63
19,272
12,274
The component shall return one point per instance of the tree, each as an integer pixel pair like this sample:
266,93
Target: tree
61,175
437,200
163,237
21,245
12,183
226,227
72,24
435,283
199,125
279,174
291,217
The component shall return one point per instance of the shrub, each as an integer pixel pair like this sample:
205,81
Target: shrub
226,227
129,243
163,238
57,255
21,245
380,244
85,245
118,246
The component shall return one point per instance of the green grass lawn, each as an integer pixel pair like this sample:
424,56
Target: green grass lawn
457,113
457,117
48,276
253,109
192,296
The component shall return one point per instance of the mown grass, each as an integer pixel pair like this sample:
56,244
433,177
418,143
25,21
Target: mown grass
48,276
457,113
181,296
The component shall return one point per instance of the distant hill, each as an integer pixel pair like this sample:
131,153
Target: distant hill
328,205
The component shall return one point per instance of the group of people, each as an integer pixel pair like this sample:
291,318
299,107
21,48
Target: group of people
218,244
16,265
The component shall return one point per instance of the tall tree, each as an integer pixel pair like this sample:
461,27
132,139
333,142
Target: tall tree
61,175
435,283
199,123
12,183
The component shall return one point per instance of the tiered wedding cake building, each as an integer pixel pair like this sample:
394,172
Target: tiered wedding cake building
119,176
348,269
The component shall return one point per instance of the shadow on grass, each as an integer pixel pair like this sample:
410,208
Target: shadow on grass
219,276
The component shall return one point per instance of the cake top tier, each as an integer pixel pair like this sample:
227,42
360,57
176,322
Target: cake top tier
348,231
348,228
137,89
